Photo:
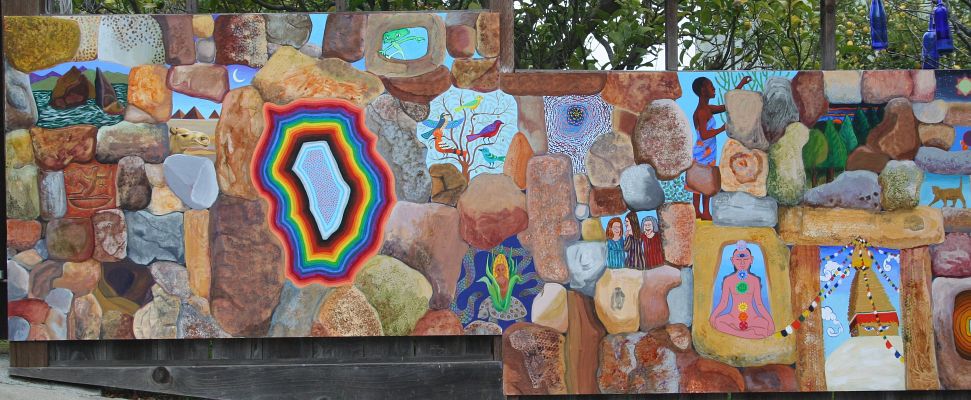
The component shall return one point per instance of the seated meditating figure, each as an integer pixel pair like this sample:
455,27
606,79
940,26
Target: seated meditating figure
740,311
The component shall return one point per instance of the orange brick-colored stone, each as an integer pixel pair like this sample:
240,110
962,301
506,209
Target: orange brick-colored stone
196,228
22,234
148,92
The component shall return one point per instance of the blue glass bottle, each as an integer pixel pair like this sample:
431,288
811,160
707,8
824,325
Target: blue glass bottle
943,29
878,25
931,58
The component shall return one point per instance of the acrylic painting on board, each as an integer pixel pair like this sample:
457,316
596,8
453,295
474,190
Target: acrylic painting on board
369,174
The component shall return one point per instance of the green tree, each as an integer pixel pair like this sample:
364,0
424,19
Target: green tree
836,157
848,135
861,126
814,154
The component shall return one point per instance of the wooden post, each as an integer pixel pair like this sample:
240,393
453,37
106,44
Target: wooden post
191,6
341,5
804,278
507,51
827,36
22,7
671,56
918,334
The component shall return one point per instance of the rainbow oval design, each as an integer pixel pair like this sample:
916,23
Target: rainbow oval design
330,192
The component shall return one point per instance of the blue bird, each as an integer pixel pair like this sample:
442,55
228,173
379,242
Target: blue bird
490,158
489,131
442,123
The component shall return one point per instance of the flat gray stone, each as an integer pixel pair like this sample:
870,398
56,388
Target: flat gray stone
851,189
640,187
154,237
586,262
192,179
743,209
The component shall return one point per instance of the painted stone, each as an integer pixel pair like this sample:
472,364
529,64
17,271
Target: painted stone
550,209
552,84
623,121
80,278
426,238
134,191
952,368
917,227
130,40
640,188
584,332
607,201
150,142
415,111
744,170
400,147
937,161
18,148
616,299
476,74
778,108
896,135
420,88
663,138
56,325
930,113
865,158
18,329
116,325
33,43
492,209
881,86
240,39
786,179
709,376
196,321
957,219
32,257
195,224
708,243
287,29
843,87
808,93
608,156
344,36
677,228
177,38
581,186
205,81
164,200
531,115
89,188
681,300
952,258
517,159
397,292
147,90
53,195
637,363
172,278
71,90
60,300
936,135
533,360
487,29
70,239
237,134
158,319
33,311
346,312
18,281
851,189
448,183
591,230
203,26
19,107
206,50
84,321
704,179
900,182
247,267
550,309
154,237
483,328
743,209
744,109
582,211
438,323
23,195
297,309
192,179
634,91
958,114
290,75
460,40
652,299
136,115
22,234
925,85
374,45
88,39
105,95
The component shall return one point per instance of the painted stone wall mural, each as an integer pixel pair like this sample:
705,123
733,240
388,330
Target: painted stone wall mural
305,175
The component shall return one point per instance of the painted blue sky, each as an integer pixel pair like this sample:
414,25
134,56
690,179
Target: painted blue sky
942,181
836,327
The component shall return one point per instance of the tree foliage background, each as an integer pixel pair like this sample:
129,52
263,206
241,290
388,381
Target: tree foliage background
713,34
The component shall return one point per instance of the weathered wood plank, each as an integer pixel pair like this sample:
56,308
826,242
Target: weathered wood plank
451,380
804,277
76,353
237,349
338,350
183,350
131,350
287,348
28,354
827,36
915,296
671,55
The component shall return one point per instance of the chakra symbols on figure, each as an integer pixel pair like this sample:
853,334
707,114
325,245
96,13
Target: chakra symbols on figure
330,192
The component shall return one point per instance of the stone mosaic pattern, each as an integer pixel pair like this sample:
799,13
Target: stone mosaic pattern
139,205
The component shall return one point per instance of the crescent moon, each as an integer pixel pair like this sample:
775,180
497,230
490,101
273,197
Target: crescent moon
236,78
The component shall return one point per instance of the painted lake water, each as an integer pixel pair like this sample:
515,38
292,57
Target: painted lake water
88,113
